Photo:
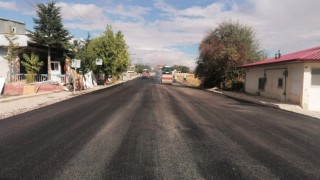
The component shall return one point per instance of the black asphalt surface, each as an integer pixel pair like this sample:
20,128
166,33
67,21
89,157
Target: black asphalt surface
145,130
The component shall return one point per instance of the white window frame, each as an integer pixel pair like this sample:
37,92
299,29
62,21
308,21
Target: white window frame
315,75
55,66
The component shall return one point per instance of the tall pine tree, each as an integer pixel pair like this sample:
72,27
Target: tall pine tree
49,30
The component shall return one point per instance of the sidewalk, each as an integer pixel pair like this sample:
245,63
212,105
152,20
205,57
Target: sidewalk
14,105
269,102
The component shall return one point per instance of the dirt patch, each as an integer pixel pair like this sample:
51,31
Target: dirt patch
189,79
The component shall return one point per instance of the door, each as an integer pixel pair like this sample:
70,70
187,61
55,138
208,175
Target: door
56,71
314,91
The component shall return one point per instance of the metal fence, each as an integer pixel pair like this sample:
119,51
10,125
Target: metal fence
38,77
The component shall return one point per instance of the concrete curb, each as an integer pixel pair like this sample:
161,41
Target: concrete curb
96,88
7,99
66,97
263,103
268,104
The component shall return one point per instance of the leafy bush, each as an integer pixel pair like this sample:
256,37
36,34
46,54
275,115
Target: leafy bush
32,65
234,85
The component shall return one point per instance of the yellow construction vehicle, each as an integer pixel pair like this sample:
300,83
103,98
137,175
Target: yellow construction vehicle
167,75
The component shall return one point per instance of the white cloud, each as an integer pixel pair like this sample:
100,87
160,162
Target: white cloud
160,4
162,56
86,26
12,6
207,12
289,25
9,6
84,12
128,11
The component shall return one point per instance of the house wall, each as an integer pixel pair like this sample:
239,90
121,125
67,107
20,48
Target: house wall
6,24
20,33
271,87
4,68
21,41
311,94
295,83
292,85
252,79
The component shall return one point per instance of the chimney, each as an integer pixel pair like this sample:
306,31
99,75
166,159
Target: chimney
279,54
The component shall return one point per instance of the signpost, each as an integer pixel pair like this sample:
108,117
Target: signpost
76,63
99,61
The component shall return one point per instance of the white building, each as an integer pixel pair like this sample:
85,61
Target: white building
18,29
293,77
27,46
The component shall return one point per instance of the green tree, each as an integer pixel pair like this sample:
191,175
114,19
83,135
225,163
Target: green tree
12,53
112,49
223,51
79,50
182,69
103,47
49,30
32,65
121,54
87,64
140,67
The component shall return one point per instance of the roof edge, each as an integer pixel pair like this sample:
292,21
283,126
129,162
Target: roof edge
1,18
273,63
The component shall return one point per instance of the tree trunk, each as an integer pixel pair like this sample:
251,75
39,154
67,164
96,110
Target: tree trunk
10,71
106,77
49,63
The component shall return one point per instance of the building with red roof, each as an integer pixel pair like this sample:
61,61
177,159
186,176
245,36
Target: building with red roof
293,77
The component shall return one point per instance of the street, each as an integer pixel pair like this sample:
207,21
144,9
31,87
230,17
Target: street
146,130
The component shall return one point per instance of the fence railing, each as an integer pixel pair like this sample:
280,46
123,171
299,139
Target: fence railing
38,77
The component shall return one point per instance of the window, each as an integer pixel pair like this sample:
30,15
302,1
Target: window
280,83
167,70
262,82
13,29
55,66
2,51
315,77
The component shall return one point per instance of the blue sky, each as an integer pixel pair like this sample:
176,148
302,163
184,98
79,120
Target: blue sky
169,31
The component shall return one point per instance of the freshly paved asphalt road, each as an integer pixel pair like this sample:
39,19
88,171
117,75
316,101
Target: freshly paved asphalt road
146,130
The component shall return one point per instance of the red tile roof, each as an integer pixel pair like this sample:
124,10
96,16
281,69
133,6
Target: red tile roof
312,54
